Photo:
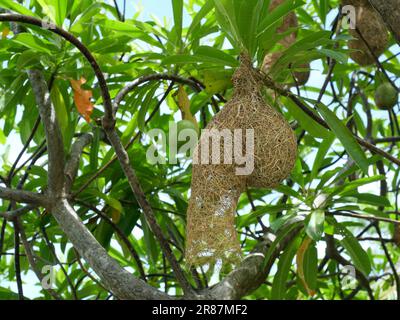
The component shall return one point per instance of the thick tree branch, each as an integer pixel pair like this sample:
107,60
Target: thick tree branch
64,214
23,196
53,133
118,280
250,274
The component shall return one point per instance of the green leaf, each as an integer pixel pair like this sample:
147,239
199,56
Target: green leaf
205,55
285,263
315,129
307,265
345,136
217,55
226,17
276,15
7,294
315,226
323,10
247,22
310,266
94,150
297,173
336,55
177,6
103,233
357,254
3,138
205,9
278,240
366,198
145,107
150,242
56,10
321,154
30,41
130,30
15,6
61,111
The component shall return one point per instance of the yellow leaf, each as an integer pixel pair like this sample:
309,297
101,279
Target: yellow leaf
183,103
217,81
115,215
5,33
82,98
299,261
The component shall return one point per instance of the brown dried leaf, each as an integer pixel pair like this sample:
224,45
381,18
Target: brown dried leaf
82,98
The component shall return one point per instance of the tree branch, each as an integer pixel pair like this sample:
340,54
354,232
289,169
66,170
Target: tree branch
116,279
55,147
10,17
23,196
147,210
250,274
10,215
270,84
153,77
72,165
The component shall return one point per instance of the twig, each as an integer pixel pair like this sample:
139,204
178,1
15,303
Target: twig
10,215
389,259
365,217
147,210
121,234
17,261
72,165
153,77
30,256
269,83
9,17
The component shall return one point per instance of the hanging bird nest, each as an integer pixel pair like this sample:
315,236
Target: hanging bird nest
371,36
211,233
289,22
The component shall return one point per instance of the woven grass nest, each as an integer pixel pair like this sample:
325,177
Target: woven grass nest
211,233
371,35
290,21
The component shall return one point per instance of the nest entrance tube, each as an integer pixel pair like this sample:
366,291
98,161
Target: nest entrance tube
216,187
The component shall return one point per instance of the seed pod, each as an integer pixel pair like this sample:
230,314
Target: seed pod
290,21
370,29
216,188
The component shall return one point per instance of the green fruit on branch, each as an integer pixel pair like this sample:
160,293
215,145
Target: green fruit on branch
386,96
